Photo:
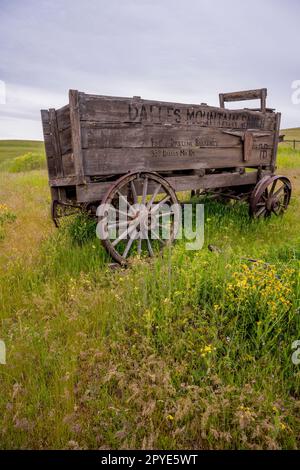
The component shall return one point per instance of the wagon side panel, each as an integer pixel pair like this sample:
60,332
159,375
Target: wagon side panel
123,134
49,148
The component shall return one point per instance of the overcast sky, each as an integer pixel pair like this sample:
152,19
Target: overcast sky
184,51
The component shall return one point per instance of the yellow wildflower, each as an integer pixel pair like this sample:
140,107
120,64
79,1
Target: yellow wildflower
170,417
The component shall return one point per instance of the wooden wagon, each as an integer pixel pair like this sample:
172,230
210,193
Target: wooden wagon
99,147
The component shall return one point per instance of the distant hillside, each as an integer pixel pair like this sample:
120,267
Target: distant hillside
291,134
10,149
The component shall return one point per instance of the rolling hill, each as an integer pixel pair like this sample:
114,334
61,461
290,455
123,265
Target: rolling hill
10,149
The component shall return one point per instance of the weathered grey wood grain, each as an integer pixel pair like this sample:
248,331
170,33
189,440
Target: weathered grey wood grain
63,117
117,161
275,143
154,137
65,140
113,111
68,164
248,145
46,132
245,95
55,142
76,134
66,181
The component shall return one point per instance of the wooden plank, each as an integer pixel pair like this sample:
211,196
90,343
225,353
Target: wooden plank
276,140
64,128
50,154
45,121
263,99
244,95
55,141
67,181
163,136
96,191
118,111
220,180
65,140
68,164
63,117
76,134
248,145
117,161
48,146
47,137
221,99
51,167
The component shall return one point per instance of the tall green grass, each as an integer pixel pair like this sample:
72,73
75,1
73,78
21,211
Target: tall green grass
191,349
27,162
288,158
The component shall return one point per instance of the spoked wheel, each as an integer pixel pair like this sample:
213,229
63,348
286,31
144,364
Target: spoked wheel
270,196
60,209
139,212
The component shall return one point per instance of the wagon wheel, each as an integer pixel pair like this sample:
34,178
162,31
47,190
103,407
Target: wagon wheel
129,223
60,209
270,196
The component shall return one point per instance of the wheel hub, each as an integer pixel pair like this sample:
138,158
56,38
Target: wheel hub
144,219
136,220
272,204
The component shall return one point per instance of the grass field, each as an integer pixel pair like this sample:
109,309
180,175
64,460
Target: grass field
10,149
189,350
291,134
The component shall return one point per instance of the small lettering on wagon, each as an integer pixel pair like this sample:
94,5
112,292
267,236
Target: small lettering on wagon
197,142
206,142
263,150
172,152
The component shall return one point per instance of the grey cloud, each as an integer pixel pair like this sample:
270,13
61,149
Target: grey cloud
165,49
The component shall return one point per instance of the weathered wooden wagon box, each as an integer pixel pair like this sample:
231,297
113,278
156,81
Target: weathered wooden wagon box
94,140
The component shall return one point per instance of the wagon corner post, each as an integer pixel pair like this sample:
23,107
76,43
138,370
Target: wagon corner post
76,135
221,99
276,140
45,121
263,99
